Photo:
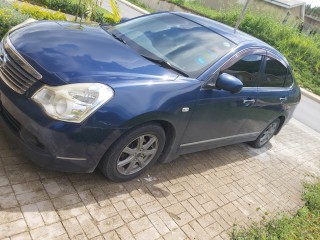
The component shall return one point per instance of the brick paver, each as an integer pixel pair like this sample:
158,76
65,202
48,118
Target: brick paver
198,196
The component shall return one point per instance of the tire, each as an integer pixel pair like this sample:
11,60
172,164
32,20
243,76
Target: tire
133,153
266,135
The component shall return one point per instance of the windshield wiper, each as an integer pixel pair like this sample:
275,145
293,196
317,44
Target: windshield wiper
165,64
118,38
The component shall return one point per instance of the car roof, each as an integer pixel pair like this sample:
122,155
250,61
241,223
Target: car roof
238,37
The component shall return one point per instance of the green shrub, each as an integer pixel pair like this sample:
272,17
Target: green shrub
312,197
38,13
9,18
87,9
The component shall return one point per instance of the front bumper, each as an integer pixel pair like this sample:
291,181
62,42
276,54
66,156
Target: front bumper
52,144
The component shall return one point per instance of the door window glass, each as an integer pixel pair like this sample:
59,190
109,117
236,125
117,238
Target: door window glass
246,69
275,74
289,80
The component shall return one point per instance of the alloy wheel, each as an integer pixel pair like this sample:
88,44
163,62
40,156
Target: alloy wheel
268,133
137,154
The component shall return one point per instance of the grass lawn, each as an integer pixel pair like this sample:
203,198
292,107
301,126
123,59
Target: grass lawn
304,225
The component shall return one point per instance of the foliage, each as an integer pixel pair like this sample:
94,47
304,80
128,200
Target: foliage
312,197
90,10
9,18
37,12
113,17
304,225
302,52
313,11
141,5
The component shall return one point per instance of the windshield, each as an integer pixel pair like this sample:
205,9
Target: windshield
185,45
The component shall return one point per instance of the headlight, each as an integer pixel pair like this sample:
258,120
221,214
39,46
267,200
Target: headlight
73,102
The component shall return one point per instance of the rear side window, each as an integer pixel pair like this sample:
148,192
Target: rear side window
246,69
289,80
275,74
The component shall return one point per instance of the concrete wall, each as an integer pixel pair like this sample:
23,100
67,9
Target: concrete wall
260,5
162,5
277,11
224,5
311,24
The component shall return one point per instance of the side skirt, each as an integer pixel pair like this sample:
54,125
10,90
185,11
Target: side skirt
217,142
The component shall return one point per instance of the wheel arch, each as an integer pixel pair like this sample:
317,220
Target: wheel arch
170,133
168,127
282,121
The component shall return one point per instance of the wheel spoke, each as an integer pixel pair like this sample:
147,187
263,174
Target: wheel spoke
273,128
126,161
150,152
141,162
129,151
129,169
149,143
140,142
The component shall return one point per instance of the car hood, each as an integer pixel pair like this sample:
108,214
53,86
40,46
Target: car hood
69,52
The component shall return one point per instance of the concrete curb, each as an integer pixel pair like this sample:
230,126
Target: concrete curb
134,6
310,95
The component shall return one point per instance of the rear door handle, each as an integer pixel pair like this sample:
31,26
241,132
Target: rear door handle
248,101
283,99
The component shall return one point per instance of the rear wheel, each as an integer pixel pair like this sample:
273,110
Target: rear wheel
266,135
133,153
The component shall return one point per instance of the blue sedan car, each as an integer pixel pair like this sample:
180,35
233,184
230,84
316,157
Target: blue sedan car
120,98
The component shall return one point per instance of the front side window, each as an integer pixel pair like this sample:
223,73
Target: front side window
275,74
246,69
184,44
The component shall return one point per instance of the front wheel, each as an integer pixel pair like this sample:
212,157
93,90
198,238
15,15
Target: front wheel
133,153
266,135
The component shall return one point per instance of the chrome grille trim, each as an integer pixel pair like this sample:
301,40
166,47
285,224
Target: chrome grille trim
15,79
16,74
11,83
15,71
19,59
12,65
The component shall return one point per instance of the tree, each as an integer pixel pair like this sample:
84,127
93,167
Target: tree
313,11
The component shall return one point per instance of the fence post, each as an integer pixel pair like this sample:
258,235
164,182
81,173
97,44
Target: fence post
244,9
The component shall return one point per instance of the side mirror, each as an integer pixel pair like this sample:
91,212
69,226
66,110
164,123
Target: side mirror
229,83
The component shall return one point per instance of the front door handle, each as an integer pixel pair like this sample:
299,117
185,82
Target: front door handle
283,99
248,101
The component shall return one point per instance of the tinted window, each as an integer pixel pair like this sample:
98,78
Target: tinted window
275,74
289,80
246,69
186,45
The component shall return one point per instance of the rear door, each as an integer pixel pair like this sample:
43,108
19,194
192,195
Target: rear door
221,117
274,89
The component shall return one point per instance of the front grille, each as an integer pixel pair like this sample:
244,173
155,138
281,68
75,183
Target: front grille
15,76
15,71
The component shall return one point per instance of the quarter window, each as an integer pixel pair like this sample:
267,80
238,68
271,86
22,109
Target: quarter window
246,69
275,74
289,80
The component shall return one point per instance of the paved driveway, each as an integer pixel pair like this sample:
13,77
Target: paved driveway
198,196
